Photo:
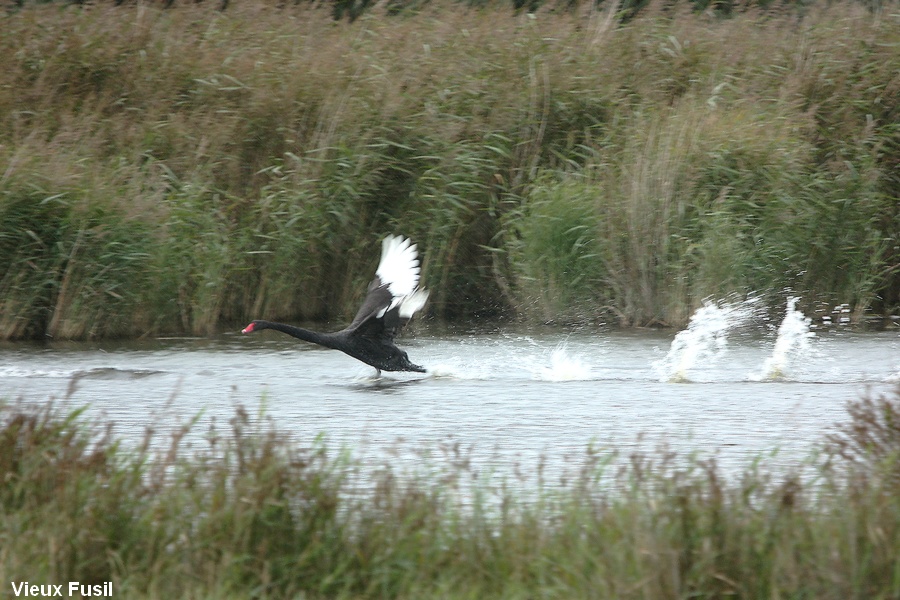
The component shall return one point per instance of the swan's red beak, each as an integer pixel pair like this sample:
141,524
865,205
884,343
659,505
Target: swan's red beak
248,329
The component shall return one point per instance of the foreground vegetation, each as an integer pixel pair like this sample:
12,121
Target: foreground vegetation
177,170
255,514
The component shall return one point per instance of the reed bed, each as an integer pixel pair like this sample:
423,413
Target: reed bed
253,513
186,169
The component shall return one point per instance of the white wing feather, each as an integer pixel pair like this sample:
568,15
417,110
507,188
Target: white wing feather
399,266
399,270
409,305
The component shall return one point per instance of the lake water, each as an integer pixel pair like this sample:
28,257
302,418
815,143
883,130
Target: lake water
508,398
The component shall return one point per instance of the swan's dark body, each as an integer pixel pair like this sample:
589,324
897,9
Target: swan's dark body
392,300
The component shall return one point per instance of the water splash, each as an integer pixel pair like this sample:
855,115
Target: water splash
564,367
793,341
705,338
445,371
458,368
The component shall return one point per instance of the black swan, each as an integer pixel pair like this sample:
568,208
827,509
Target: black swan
392,300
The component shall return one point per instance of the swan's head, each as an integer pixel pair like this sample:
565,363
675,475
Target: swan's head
250,328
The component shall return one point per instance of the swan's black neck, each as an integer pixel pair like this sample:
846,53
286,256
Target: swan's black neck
307,335
381,354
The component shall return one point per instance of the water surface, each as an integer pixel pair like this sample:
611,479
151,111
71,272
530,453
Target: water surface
506,397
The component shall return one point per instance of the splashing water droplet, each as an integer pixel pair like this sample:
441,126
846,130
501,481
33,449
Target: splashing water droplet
564,367
705,338
793,340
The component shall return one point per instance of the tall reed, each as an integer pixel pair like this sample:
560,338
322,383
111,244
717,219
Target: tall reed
245,163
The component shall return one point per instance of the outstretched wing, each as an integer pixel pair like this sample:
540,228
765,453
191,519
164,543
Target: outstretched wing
393,296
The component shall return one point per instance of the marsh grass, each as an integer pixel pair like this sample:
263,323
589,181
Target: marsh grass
252,512
193,167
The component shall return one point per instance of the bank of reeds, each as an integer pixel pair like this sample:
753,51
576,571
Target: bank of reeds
255,514
174,170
